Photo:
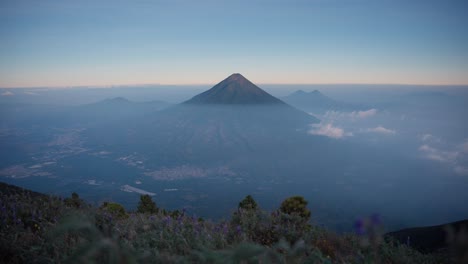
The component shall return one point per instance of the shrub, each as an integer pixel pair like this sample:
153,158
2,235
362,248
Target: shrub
114,209
296,205
74,201
248,203
146,205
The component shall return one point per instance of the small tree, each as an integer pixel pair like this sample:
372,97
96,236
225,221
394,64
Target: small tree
74,201
175,214
248,203
246,220
114,209
146,205
296,205
294,217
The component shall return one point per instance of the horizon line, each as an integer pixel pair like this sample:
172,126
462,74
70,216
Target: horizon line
106,86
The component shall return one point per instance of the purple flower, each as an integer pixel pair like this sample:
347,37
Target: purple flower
359,227
376,219
238,229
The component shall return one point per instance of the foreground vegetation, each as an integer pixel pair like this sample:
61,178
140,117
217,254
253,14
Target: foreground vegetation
36,228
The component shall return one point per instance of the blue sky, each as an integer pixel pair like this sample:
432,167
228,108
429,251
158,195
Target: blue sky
71,43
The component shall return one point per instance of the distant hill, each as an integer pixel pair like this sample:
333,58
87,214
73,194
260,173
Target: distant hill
315,101
8,189
431,238
235,89
120,103
117,108
107,110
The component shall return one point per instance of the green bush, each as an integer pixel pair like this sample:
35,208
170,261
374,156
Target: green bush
74,201
296,205
146,205
114,209
248,203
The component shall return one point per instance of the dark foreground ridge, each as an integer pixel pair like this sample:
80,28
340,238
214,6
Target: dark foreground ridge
235,89
39,228
430,238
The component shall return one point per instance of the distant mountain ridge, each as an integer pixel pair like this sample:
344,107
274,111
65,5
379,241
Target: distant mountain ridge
121,101
315,101
235,89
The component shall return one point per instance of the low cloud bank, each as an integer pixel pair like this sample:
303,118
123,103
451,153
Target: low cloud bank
456,157
381,130
354,115
328,130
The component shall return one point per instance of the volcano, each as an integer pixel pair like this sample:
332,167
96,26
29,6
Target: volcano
232,114
235,89
231,119
238,100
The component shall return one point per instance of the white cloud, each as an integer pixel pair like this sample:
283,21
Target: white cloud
381,130
426,137
426,148
432,153
347,122
456,156
464,146
461,170
365,114
429,138
438,155
328,130
355,115
7,93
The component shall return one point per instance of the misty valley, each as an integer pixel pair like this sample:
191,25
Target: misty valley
401,153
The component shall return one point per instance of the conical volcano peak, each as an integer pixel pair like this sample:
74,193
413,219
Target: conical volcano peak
235,89
237,77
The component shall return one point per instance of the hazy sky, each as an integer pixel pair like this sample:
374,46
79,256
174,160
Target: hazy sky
67,43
